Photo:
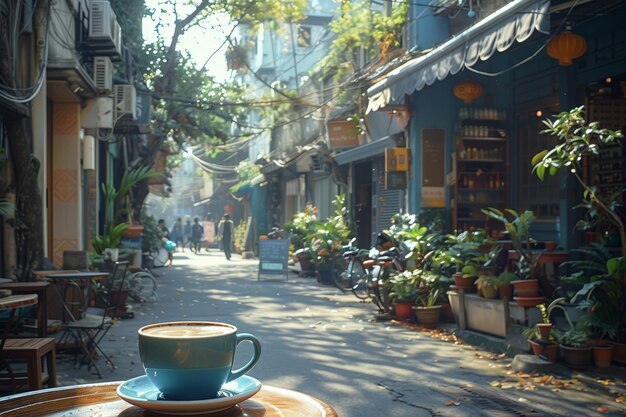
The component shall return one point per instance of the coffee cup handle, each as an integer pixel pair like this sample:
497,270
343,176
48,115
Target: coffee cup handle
255,357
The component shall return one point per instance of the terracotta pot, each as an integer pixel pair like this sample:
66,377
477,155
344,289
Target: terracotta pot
526,287
528,301
427,316
133,231
602,355
550,245
466,284
544,330
404,310
576,358
506,291
547,351
619,352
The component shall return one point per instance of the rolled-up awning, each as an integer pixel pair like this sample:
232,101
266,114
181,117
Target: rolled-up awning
516,21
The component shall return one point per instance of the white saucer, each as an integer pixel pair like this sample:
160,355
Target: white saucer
140,392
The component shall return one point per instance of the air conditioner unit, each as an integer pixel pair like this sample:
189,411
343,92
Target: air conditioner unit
97,114
318,165
125,97
102,20
103,73
117,37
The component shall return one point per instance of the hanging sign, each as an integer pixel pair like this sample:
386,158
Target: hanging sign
433,192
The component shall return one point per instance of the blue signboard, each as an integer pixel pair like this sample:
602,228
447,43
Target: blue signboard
273,257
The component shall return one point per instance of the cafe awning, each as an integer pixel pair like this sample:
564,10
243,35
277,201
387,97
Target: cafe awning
516,21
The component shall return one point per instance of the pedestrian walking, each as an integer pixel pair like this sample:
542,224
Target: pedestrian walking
225,230
187,233
197,231
177,234
164,234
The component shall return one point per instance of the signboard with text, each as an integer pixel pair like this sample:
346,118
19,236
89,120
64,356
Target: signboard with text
342,134
433,168
273,257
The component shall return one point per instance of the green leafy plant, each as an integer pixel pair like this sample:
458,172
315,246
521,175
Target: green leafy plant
111,238
517,227
302,226
404,286
428,297
577,140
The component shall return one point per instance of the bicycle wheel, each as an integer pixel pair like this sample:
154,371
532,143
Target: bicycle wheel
343,280
360,284
143,287
159,257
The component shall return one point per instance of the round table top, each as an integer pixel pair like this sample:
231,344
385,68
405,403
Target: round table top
16,301
103,401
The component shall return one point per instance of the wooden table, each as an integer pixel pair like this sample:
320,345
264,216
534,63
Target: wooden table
40,288
102,400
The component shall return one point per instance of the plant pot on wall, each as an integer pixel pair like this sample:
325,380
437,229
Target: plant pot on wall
526,287
462,283
133,231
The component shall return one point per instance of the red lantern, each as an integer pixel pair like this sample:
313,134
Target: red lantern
566,46
228,208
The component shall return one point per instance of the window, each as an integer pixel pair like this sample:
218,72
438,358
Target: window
542,197
303,37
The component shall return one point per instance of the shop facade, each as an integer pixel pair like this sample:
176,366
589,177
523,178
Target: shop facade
500,67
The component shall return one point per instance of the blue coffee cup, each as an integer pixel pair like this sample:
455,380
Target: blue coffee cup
192,360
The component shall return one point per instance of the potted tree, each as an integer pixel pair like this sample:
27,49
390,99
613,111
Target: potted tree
579,140
545,347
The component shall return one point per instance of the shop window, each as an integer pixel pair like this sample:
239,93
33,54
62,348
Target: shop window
542,197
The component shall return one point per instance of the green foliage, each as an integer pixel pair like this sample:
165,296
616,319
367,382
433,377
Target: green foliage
240,234
330,235
404,286
358,28
517,226
6,207
111,238
246,171
302,226
151,235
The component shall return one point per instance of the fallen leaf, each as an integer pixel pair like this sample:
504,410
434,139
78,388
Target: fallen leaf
621,399
602,410
450,402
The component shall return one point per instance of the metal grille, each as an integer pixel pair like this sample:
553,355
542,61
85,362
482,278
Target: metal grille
490,403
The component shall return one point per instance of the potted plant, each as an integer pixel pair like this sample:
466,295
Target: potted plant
488,285
403,293
545,348
578,140
299,230
575,340
462,252
517,227
505,288
427,310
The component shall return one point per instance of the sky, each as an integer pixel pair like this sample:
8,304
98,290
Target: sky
200,42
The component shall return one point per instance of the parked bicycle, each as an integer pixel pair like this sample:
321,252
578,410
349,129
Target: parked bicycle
355,271
142,286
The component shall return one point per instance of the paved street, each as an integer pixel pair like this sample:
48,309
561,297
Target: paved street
322,342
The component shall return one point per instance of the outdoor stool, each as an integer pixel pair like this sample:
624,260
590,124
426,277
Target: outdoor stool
33,350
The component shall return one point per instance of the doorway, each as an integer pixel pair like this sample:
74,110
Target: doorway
363,203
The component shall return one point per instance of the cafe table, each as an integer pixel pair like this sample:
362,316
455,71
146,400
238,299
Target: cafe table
40,288
68,278
102,400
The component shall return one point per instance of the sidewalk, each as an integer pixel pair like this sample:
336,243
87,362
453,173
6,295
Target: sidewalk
319,341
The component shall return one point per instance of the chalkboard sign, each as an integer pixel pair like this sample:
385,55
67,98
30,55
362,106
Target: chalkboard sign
273,257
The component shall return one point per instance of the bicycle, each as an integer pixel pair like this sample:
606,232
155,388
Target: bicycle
142,287
354,272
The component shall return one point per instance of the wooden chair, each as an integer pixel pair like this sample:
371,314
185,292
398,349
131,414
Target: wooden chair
31,350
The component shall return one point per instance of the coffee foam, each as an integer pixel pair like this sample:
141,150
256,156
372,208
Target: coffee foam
187,330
